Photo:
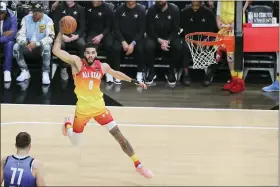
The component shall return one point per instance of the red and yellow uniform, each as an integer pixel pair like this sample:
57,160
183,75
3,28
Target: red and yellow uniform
225,10
90,102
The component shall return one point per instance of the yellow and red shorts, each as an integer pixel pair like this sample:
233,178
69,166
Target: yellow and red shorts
84,113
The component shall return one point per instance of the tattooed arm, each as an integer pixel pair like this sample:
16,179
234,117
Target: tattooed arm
126,147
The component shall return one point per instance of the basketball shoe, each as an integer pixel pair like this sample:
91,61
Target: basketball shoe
145,172
230,84
65,126
274,87
239,86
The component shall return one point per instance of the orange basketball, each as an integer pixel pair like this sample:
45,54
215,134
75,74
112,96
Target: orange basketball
68,25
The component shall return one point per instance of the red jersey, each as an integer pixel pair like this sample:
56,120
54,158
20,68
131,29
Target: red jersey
87,83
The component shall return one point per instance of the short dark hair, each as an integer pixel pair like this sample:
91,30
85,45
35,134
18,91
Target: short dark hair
23,140
91,45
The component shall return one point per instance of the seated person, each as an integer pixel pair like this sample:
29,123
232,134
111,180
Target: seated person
46,5
85,4
8,30
99,21
129,29
163,26
36,35
195,18
75,40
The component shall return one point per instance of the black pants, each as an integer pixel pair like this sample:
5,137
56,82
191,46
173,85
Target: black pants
105,44
173,55
118,54
78,44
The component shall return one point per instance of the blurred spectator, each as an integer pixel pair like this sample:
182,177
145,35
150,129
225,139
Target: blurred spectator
195,18
147,4
36,35
99,21
8,30
54,4
163,22
212,5
46,5
129,29
75,40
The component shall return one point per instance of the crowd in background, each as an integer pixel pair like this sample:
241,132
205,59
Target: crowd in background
139,29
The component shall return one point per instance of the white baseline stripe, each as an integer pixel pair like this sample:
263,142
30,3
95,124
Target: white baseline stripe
156,108
150,125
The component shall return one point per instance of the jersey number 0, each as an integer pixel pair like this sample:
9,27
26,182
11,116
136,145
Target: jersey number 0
90,85
20,170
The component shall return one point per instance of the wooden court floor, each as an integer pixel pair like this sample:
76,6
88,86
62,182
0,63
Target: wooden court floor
183,147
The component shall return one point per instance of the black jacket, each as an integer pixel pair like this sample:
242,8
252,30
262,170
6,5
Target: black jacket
129,24
77,12
165,25
203,20
99,19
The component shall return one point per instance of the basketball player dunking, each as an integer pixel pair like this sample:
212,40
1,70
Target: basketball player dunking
21,169
87,75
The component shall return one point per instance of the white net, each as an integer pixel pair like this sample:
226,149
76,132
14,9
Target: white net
202,55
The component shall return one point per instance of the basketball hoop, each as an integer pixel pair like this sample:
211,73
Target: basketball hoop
203,46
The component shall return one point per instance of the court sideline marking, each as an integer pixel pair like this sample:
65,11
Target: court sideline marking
154,108
150,125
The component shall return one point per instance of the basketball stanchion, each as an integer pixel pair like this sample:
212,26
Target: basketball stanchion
238,36
203,47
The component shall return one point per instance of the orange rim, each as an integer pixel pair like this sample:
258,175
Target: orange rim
228,41
208,43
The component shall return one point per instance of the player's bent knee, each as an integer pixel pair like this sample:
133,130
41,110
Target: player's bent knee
78,130
110,125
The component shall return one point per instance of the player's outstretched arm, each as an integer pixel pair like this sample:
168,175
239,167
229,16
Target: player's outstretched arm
39,173
3,160
61,54
120,75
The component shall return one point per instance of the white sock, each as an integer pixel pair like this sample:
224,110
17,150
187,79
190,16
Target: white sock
74,137
69,132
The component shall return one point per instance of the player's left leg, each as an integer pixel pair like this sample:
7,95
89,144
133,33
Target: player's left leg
106,120
74,130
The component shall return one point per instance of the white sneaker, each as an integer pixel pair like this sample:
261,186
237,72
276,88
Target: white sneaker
46,78
139,76
64,74
24,75
109,78
118,81
7,76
